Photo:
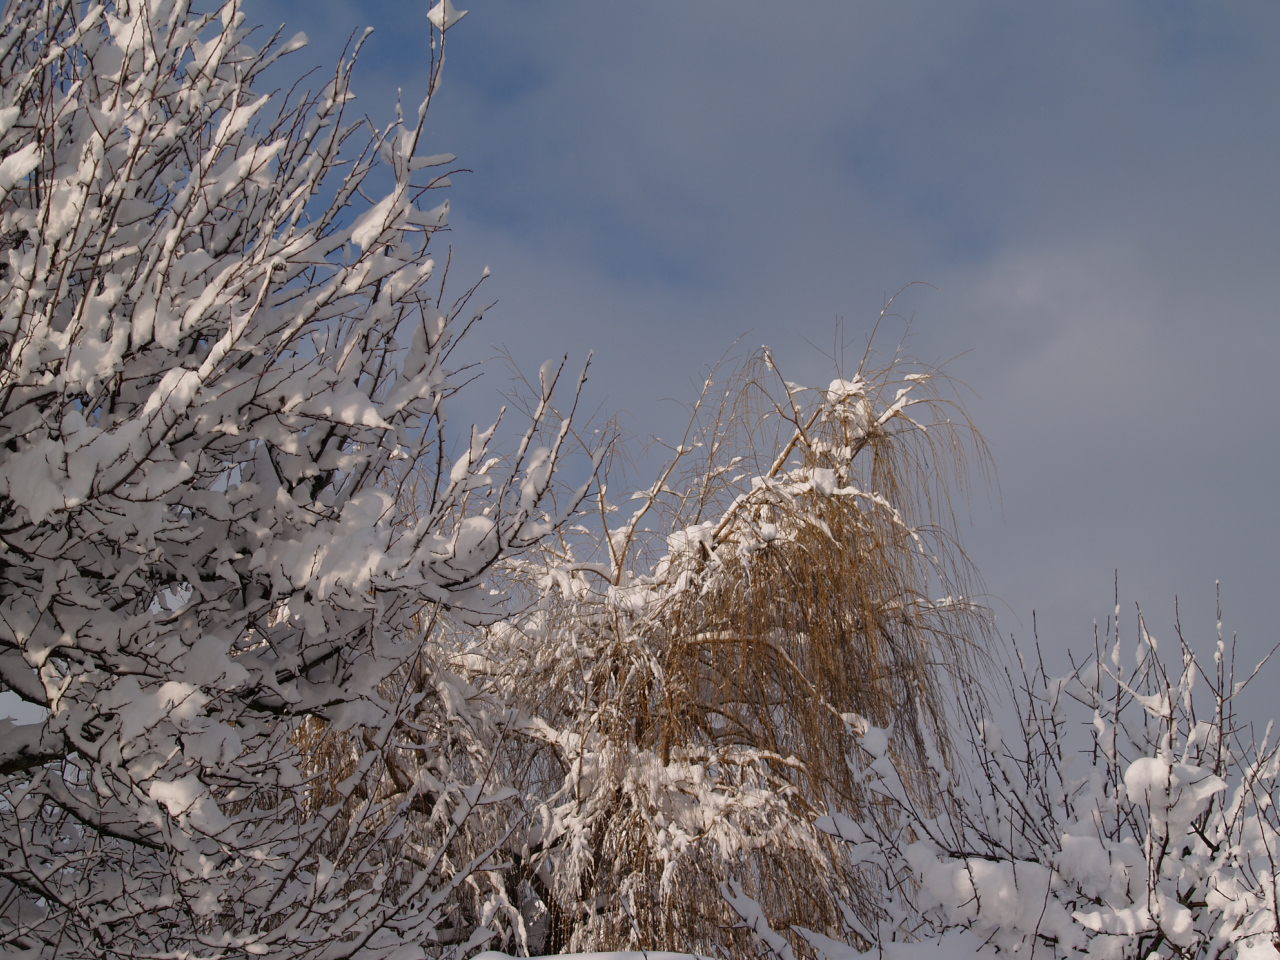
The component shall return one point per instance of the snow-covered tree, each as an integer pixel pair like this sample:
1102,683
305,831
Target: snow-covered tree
700,661
1131,813
224,350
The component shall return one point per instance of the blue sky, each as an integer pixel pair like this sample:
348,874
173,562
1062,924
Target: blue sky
1090,187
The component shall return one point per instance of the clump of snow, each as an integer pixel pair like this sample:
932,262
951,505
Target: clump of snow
1174,793
444,15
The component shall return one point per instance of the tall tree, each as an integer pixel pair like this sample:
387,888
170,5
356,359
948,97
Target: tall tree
224,346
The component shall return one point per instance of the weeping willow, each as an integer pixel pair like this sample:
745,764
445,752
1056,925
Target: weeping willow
791,582
681,696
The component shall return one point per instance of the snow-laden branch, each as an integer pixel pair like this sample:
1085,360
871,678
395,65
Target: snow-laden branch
1153,834
226,503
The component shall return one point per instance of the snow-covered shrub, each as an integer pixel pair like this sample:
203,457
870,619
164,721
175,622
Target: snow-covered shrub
1130,815
223,353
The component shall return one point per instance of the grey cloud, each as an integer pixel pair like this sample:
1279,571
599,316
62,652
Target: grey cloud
1090,186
